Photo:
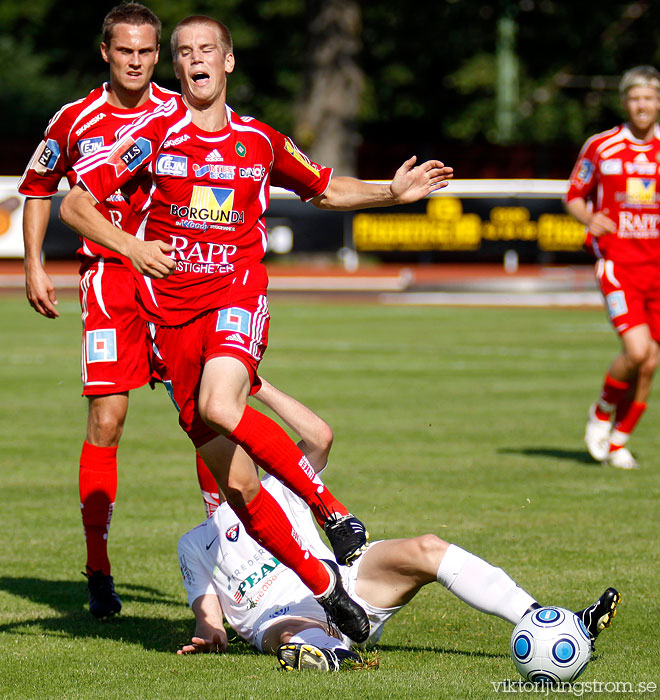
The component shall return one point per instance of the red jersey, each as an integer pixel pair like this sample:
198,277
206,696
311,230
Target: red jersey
77,130
209,195
621,174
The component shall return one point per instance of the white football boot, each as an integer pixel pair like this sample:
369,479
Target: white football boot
597,436
621,459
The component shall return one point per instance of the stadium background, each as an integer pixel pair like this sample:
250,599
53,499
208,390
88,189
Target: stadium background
466,422
361,87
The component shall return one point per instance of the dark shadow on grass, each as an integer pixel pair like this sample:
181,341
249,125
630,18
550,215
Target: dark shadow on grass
65,596
440,650
150,633
71,617
551,452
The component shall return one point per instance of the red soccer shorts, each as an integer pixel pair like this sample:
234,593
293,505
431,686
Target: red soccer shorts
239,331
115,341
632,295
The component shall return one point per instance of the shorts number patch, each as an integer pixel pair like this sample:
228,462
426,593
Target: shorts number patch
101,345
234,319
616,304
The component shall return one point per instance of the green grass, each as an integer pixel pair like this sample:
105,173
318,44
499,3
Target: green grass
466,423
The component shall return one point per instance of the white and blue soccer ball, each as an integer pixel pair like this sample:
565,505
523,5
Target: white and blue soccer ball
550,645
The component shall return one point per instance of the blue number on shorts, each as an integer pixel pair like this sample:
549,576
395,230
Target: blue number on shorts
102,346
234,319
616,304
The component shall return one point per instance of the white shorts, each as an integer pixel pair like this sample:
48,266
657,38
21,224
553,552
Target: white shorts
306,606
377,616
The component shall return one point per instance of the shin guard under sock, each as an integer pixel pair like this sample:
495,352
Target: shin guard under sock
97,480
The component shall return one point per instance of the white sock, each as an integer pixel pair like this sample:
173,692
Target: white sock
317,637
482,585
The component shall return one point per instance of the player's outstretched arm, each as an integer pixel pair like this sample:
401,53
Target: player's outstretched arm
39,288
210,634
79,212
411,182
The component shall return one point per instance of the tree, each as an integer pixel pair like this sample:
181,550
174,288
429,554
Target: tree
326,124
395,77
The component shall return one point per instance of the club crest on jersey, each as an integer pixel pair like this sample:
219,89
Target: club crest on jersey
232,533
640,190
48,157
129,154
214,204
174,166
215,171
240,149
292,149
90,145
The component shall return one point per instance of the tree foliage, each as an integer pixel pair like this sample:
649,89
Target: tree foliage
417,74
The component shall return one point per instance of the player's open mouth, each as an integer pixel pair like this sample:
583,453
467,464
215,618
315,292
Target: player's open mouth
200,77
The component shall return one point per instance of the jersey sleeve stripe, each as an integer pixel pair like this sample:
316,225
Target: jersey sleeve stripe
178,126
102,99
84,165
163,110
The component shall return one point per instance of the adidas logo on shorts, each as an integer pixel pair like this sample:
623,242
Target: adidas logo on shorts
235,338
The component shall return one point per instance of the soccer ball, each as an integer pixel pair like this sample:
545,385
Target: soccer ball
550,645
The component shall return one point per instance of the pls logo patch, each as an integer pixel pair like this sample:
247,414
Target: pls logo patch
232,533
129,154
46,156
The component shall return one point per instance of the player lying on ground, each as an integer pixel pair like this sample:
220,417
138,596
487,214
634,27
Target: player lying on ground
226,572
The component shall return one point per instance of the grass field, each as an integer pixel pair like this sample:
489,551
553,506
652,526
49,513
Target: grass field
466,423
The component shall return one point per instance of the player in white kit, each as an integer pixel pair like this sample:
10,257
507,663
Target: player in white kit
225,572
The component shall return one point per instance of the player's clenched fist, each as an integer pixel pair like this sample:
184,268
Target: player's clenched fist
150,258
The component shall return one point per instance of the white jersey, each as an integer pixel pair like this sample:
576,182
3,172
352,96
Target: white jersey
219,557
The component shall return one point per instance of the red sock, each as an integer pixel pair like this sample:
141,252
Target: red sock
208,486
97,480
274,451
622,429
612,393
265,522
622,409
